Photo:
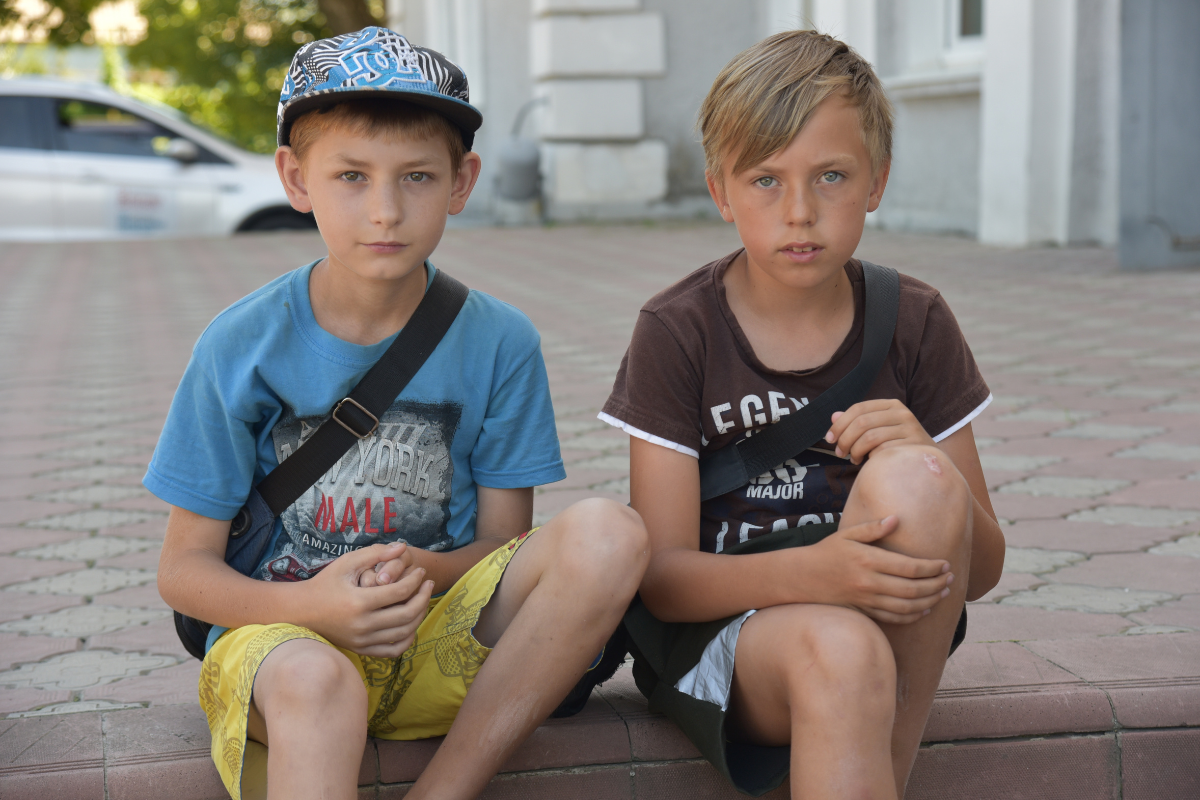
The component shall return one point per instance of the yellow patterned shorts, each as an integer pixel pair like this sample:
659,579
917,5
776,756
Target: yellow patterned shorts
415,696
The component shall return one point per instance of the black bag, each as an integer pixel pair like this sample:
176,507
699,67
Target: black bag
356,417
664,652
353,418
732,467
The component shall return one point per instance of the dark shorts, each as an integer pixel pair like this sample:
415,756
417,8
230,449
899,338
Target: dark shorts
664,652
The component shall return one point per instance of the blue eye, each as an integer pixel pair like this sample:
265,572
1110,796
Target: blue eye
766,181
831,177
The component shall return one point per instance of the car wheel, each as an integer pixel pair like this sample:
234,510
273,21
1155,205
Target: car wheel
279,219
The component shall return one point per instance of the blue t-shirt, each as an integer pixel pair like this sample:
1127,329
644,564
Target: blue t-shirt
264,376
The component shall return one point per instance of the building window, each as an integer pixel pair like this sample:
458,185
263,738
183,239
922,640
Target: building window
964,34
970,18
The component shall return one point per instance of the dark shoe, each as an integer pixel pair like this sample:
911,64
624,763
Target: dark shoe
603,668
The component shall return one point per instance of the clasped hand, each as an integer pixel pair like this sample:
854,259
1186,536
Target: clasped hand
874,425
381,621
852,568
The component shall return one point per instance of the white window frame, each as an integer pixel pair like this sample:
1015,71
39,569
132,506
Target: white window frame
961,51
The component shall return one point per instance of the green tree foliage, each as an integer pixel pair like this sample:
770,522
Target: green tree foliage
221,62
225,60
66,21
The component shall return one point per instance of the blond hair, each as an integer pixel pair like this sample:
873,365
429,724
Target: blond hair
370,117
767,93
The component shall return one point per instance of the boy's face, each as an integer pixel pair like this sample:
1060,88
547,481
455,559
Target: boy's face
800,213
380,202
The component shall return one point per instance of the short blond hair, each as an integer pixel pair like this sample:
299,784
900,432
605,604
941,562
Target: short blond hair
371,117
767,93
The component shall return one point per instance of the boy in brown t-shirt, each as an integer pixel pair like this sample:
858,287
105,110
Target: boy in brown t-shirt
824,658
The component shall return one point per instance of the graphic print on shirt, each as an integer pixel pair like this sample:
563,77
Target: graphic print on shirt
808,489
392,486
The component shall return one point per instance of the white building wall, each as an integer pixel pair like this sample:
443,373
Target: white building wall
933,79
1160,128
702,36
1012,136
589,58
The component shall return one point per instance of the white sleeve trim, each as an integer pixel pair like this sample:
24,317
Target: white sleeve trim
649,437
964,421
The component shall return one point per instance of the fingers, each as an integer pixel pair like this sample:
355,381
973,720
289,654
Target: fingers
867,431
401,590
842,419
919,589
867,426
398,623
873,531
357,561
902,566
902,601
390,572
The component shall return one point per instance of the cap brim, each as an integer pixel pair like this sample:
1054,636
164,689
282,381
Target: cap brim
464,115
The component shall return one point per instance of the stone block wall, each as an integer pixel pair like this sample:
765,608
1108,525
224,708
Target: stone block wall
589,58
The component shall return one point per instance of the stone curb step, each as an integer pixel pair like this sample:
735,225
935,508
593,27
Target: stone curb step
163,752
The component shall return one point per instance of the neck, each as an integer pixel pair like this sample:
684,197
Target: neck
766,297
790,327
363,310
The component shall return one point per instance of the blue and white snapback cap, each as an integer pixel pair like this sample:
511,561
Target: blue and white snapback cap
376,63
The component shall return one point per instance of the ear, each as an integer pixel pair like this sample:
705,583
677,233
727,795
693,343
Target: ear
878,184
464,182
292,178
716,189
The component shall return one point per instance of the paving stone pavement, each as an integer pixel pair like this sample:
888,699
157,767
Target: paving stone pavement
1091,447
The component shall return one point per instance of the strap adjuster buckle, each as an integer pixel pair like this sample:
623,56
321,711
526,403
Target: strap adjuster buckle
348,426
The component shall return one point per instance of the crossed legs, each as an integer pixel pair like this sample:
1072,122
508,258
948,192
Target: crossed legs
852,695
561,597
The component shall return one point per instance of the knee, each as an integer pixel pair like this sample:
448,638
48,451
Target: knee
916,479
311,677
605,539
841,655
919,471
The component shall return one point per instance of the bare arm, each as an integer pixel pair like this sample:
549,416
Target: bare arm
194,579
683,584
879,424
987,540
502,514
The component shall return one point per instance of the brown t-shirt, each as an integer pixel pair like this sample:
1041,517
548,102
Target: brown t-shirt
690,381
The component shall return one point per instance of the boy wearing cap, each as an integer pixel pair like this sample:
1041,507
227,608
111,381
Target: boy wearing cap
403,595
802,621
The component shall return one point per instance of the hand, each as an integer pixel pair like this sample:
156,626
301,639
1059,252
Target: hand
848,569
386,572
871,425
378,621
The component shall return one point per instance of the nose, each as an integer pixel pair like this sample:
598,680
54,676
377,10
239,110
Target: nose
386,206
800,205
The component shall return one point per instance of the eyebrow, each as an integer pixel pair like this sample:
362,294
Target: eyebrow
355,163
835,161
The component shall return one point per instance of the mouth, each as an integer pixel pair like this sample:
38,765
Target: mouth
801,251
385,247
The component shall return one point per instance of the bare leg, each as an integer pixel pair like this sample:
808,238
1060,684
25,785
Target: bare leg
823,679
814,675
923,488
310,703
561,597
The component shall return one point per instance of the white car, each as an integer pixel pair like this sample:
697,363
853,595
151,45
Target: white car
80,161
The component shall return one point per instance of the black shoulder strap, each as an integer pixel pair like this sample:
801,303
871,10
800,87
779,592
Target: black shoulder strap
357,416
734,465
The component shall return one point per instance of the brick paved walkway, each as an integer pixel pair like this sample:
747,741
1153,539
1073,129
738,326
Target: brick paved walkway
1092,450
